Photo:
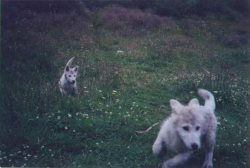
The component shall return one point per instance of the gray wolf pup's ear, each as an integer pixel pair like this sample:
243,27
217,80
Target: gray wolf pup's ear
76,68
194,102
175,106
67,68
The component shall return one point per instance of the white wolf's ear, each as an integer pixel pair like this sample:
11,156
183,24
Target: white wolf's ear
194,102
76,68
175,105
67,68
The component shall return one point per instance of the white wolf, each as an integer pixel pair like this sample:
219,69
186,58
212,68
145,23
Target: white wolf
67,83
184,130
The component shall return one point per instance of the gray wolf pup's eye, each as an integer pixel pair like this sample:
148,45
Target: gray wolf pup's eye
186,128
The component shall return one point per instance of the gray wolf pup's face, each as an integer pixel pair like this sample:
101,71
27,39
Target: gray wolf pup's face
189,123
70,74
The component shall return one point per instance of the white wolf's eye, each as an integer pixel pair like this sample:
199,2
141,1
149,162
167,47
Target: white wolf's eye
69,75
74,76
185,128
197,128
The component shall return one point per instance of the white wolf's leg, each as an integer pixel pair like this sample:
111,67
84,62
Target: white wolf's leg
177,160
209,142
61,88
75,92
159,148
62,92
208,162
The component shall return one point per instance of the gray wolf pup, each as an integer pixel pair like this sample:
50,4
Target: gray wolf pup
186,127
67,83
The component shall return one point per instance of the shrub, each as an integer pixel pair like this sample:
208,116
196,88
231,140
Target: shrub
235,39
176,7
179,8
142,4
43,6
122,18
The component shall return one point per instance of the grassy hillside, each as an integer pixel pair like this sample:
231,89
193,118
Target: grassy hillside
119,92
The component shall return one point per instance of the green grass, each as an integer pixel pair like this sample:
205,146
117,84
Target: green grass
118,93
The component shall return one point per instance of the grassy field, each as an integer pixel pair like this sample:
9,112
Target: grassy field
119,92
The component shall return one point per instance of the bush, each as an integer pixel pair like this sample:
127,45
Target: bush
235,39
142,4
42,6
176,7
179,8
122,18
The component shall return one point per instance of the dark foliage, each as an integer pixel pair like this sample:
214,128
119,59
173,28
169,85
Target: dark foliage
179,7
230,8
41,6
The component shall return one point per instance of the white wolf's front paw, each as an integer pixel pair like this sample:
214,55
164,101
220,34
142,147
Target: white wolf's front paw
166,165
157,149
207,164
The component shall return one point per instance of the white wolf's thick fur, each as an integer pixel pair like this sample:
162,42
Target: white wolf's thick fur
67,83
184,130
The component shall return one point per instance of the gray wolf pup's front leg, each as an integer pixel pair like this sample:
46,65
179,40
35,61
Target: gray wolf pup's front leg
75,91
177,160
